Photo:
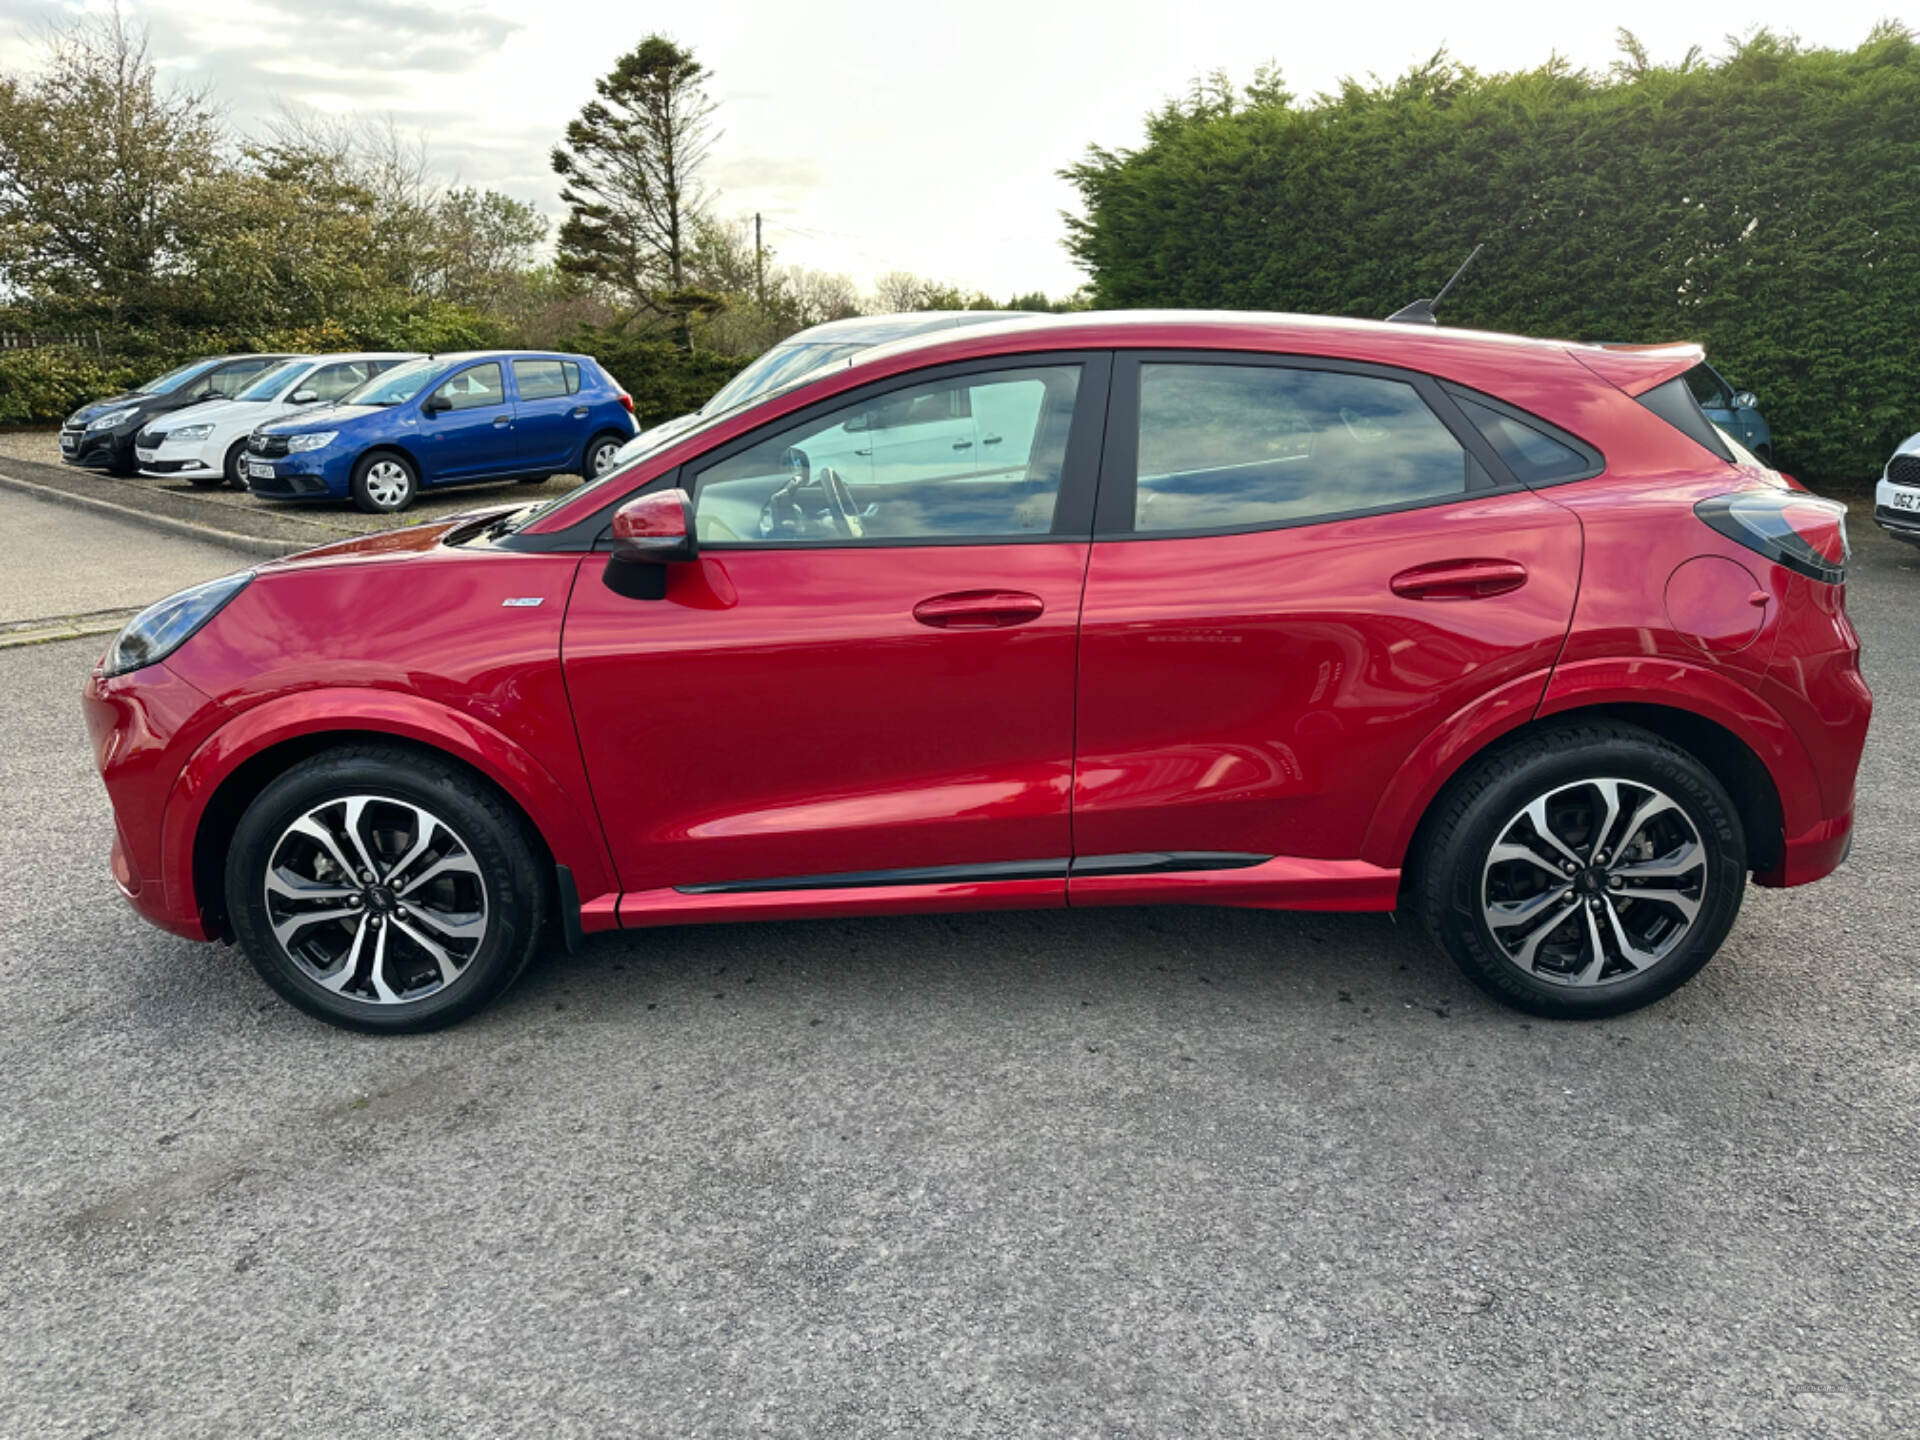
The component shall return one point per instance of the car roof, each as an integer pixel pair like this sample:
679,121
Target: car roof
333,356
462,357
1438,348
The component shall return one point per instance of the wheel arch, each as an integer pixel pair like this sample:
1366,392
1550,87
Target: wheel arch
1723,750
242,758
394,447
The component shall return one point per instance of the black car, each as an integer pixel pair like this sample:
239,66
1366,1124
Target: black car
100,435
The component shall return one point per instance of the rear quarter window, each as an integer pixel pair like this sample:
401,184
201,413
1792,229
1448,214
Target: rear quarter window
1673,402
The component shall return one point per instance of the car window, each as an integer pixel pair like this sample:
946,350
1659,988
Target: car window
572,371
981,459
540,379
271,381
397,385
1241,446
1533,456
331,382
475,388
1709,389
231,379
776,368
173,379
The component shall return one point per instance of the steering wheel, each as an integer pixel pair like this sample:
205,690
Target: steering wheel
846,516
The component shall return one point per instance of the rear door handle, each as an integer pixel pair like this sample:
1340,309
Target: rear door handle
579,412
963,444
979,609
501,421
1460,579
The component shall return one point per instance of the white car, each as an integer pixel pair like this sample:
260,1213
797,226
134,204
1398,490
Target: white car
801,354
1896,499
207,443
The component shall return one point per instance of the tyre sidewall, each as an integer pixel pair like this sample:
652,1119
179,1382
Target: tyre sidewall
513,883
1463,930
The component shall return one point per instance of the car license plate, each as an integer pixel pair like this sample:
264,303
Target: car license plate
259,470
1906,500
69,442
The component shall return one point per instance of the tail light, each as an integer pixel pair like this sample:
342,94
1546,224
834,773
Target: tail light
626,400
1803,532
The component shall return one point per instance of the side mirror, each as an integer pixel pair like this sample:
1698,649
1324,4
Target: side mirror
302,397
649,534
435,403
1745,400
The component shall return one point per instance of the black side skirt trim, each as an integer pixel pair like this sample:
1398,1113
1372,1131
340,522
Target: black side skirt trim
1141,864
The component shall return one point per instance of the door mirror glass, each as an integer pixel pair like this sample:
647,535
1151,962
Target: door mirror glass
1745,400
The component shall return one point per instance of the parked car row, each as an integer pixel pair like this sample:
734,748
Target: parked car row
373,427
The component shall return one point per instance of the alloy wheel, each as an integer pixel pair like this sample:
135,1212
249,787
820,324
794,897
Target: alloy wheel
375,899
1594,882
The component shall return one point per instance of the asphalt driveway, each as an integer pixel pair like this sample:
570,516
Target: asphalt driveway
1106,1173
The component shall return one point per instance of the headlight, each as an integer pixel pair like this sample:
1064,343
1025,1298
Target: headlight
159,630
319,440
111,419
189,432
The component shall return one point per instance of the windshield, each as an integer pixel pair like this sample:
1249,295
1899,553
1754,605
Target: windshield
171,381
395,386
270,381
776,367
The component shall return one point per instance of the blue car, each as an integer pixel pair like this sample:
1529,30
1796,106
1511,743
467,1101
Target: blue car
446,420
1735,411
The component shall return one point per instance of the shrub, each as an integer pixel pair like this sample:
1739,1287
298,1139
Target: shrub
663,379
46,385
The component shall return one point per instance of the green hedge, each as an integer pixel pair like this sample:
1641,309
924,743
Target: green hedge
45,386
1767,205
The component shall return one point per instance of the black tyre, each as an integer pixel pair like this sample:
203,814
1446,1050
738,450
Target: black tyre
384,481
384,890
1587,870
597,458
234,469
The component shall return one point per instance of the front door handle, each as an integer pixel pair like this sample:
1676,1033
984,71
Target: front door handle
1460,579
963,444
979,609
500,422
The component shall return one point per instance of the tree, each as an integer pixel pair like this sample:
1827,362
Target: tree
630,163
483,242
98,162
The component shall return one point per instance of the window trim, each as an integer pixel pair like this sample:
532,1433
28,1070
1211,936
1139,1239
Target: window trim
1596,462
1079,471
1114,509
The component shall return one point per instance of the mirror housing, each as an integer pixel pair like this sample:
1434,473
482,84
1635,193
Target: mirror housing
1745,400
435,403
649,534
302,397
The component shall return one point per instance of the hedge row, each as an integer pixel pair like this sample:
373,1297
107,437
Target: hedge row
1767,205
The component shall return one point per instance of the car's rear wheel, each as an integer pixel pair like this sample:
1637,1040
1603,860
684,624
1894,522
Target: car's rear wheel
1585,871
384,890
599,457
384,482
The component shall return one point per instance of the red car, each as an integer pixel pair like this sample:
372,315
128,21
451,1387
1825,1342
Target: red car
1131,609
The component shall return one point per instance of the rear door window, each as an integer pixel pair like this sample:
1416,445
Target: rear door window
1242,447
541,379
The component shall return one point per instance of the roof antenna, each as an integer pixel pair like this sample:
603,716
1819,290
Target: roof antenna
1420,312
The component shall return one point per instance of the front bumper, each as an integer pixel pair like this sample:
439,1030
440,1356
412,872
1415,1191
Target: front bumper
1896,510
171,459
311,475
144,726
96,449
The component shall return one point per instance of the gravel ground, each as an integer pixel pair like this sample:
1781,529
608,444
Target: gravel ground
1108,1173
42,447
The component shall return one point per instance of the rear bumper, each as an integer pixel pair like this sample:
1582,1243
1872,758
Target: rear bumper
1811,855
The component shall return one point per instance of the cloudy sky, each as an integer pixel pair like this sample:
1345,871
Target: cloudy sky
873,136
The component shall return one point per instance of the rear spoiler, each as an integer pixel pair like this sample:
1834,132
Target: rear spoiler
1637,369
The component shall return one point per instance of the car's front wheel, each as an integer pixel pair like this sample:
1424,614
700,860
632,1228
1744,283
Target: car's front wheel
384,482
384,890
1585,871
